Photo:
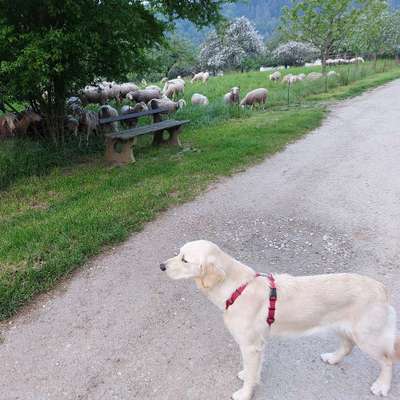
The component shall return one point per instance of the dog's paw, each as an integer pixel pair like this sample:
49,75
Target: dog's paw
241,395
330,358
240,375
380,389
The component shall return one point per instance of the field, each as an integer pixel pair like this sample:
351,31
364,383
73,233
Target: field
58,208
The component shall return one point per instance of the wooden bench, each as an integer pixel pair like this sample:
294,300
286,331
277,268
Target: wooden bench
119,145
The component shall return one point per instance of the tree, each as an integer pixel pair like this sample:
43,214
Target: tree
294,53
379,30
322,23
232,46
50,48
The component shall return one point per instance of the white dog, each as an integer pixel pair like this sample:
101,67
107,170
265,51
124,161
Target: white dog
356,307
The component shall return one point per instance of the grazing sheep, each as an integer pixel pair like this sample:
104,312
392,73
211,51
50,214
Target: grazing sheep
331,74
163,80
172,89
144,95
88,123
138,107
301,77
312,76
233,96
25,120
255,96
288,78
165,102
106,112
201,76
275,76
126,88
93,94
154,87
71,125
199,99
7,125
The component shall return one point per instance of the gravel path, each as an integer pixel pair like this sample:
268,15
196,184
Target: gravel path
119,329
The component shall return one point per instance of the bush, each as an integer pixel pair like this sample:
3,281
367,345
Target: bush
180,69
294,53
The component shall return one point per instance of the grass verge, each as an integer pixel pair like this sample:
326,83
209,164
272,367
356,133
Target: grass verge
51,224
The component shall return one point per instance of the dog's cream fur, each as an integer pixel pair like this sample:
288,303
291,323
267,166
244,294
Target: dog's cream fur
357,308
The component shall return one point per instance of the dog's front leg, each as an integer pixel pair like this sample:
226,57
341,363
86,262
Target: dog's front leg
252,357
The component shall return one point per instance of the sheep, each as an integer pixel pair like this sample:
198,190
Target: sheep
301,77
127,87
332,74
71,125
201,76
7,125
154,87
144,95
220,73
275,76
163,80
199,99
289,78
93,94
312,76
106,112
88,123
25,120
172,89
165,102
255,96
138,107
233,96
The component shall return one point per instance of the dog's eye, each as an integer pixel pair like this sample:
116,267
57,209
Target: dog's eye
183,260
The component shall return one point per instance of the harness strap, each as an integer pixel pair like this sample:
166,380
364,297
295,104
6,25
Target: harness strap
272,298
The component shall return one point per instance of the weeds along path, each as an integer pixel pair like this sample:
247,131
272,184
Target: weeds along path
120,329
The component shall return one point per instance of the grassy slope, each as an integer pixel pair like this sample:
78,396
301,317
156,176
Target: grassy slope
51,224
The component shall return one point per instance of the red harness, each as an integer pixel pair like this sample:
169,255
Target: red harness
272,298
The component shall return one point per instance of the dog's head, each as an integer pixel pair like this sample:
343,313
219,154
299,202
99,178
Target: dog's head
200,260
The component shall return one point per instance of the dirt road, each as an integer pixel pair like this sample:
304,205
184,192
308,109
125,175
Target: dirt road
119,329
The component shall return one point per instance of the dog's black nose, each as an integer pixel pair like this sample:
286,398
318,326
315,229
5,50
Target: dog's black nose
163,267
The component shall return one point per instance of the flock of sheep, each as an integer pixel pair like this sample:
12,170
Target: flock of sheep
290,78
83,122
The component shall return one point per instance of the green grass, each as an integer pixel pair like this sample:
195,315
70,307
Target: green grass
53,221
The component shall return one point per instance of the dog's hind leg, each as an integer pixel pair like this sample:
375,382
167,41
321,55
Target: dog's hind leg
375,334
346,346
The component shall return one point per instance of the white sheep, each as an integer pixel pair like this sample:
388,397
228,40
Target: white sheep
174,87
201,76
301,77
312,76
256,96
165,102
144,95
106,112
93,94
199,99
126,109
88,123
233,96
331,74
288,78
275,76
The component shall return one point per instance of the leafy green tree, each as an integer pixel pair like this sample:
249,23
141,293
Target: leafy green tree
51,48
379,30
322,23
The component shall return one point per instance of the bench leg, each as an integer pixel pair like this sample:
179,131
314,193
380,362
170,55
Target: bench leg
158,138
174,139
125,156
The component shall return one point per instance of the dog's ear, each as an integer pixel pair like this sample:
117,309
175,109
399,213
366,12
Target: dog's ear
211,275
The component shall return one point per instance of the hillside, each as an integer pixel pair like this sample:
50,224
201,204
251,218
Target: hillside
264,14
